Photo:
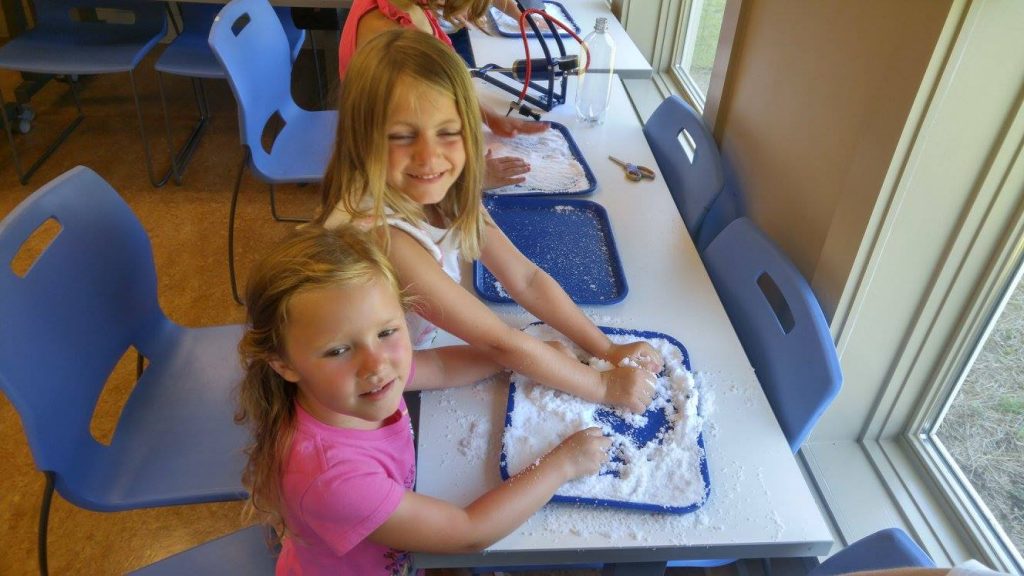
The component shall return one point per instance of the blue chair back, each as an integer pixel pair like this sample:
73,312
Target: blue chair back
885,549
59,345
249,40
779,323
693,184
147,25
197,19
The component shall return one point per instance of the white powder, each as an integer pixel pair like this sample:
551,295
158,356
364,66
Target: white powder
501,290
666,471
554,168
509,25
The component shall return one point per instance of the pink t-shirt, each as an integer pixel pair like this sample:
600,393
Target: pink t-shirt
347,46
338,486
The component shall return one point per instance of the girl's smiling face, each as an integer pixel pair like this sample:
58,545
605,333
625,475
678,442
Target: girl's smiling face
347,349
426,153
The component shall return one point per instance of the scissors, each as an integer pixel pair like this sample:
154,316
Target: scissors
634,172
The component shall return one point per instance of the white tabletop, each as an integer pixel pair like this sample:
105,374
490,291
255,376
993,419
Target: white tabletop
760,505
502,50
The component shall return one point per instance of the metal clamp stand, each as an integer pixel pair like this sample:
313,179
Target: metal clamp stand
510,80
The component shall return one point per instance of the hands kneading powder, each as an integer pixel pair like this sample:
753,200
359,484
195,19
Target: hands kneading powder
555,168
656,460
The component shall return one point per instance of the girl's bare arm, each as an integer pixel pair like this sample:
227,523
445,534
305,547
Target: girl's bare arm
451,307
425,524
451,366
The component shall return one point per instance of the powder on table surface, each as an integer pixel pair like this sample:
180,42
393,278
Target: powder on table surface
553,166
665,471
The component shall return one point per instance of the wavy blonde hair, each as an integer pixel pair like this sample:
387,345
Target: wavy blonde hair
311,258
356,180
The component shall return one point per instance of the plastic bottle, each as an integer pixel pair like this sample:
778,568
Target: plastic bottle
593,90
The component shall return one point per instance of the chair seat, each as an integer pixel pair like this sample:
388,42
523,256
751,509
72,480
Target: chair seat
193,452
85,49
244,552
190,55
885,549
302,149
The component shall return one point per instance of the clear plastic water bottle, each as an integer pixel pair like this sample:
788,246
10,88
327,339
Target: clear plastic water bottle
595,84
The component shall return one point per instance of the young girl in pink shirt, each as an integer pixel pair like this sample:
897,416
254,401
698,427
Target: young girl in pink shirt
327,356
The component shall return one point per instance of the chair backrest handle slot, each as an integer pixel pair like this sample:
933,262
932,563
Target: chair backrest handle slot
37,243
240,23
777,301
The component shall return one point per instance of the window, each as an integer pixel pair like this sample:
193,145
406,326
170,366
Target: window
697,43
979,431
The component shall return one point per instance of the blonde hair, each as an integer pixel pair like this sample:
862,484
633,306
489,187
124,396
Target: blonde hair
357,173
312,258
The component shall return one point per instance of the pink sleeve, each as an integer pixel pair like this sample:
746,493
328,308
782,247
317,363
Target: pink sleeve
344,507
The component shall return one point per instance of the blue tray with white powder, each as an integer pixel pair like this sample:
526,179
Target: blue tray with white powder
509,27
669,431
570,239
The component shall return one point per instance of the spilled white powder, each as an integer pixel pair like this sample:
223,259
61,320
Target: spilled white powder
500,290
665,471
509,25
554,168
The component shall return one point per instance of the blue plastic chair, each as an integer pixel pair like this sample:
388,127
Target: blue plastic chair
189,55
779,323
782,330
889,548
248,40
241,553
695,184
86,300
60,45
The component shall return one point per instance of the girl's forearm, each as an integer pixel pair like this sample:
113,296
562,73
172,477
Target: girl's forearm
500,511
546,300
536,360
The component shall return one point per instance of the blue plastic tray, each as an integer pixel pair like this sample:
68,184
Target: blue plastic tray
576,154
570,239
656,421
562,13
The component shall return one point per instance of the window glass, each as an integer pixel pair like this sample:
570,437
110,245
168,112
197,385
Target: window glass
983,428
699,43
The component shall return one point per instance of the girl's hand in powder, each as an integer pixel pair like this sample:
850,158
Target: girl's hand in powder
504,171
639,354
583,453
629,388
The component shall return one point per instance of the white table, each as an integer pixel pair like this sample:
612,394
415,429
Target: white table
502,50
760,505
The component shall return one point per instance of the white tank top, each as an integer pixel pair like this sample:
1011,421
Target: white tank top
439,243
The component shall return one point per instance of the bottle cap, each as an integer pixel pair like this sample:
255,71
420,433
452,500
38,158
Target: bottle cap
601,24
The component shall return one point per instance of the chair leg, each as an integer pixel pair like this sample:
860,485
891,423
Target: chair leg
180,159
279,218
231,228
23,176
44,522
316,68
145,143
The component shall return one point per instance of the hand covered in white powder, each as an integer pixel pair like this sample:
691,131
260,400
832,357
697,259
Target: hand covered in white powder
583,453
504,171
640,354
629,388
